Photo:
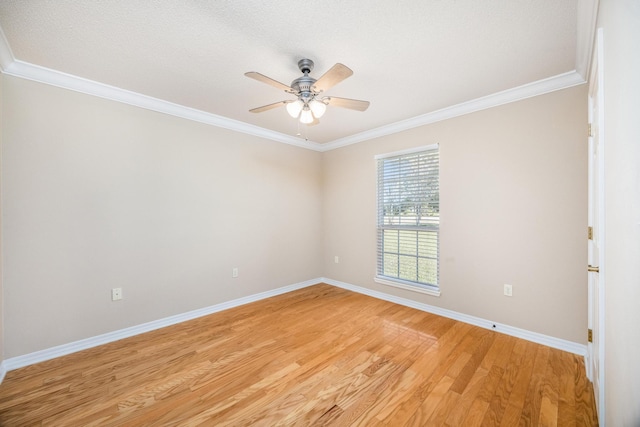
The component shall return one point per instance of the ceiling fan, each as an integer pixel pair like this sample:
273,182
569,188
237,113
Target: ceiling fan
310,105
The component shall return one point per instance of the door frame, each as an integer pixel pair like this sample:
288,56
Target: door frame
596,79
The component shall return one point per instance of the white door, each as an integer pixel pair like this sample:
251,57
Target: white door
595,368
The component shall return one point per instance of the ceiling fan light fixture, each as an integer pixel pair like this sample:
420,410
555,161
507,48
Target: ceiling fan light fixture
306,117
294,108
317,108
310,105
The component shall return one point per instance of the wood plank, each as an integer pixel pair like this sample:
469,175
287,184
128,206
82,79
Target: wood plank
500,399
480,404
585,400
533,401
478,354
319,356
549,402
566,390
457,414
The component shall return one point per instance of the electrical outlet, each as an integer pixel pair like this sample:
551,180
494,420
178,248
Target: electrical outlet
116,294
508,290
234,272
336,259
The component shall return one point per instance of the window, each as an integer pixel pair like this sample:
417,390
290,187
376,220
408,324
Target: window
409,219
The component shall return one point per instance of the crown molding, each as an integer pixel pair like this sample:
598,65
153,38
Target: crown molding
540,87
586,30
586,25
6,56
51,77
67,81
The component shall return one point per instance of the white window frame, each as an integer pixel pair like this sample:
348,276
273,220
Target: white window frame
430,289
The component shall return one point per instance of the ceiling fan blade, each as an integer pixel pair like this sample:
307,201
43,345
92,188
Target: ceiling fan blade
269,107
268,80
314,122
352,104
335,75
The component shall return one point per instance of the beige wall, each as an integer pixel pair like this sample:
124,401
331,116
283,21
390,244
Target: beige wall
98,194
620,20
513,203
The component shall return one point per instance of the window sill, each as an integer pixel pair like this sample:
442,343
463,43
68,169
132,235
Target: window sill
387,282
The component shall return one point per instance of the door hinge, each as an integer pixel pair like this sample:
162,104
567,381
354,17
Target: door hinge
590,233
590,130
590,335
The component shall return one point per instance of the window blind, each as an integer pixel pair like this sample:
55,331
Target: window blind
409,217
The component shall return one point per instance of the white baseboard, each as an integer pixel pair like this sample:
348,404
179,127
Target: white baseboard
64,349
3,371
587,366
560,344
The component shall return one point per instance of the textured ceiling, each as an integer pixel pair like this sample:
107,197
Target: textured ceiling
409,57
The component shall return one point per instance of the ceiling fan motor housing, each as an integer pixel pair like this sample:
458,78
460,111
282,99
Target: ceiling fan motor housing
303,86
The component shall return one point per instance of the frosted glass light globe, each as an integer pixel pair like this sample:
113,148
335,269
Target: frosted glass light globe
317,108
306,117
294,108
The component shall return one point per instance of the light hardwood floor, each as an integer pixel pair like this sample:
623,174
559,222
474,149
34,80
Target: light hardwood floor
316,356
